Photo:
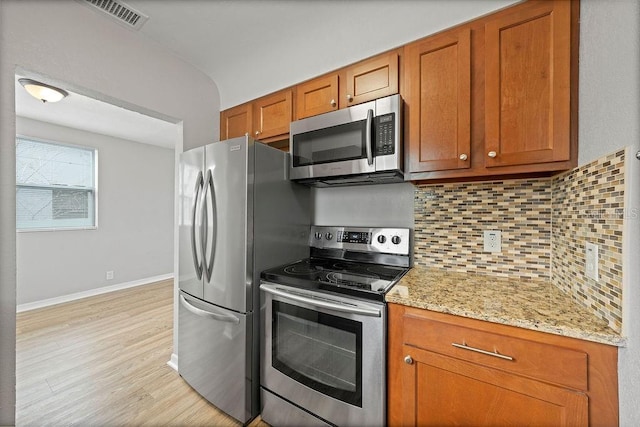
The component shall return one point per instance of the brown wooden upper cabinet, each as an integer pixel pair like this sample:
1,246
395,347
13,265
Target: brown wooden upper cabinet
527,78
272,115
494,96
236,121
370,79
317,96
438,98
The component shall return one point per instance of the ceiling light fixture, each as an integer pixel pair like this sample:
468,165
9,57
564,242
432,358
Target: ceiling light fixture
42,91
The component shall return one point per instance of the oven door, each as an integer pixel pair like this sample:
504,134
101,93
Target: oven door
325,354
332,144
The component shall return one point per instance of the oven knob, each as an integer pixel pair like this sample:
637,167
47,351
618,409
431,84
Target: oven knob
381,239
395,240
318,235
329,236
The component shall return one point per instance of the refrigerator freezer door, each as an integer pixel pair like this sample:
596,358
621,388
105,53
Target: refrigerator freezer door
191,186
228,243
212,354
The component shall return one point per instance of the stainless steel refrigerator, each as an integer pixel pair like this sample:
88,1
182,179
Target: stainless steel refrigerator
239,215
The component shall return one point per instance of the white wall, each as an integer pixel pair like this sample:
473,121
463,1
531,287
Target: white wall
134,238
609,120
383,205
65,43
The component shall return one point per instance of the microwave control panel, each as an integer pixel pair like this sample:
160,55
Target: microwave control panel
385,131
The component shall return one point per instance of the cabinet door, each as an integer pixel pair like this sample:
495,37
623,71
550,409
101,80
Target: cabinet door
443,391
527,98
438,76
374,78
235,121
317,96
272,115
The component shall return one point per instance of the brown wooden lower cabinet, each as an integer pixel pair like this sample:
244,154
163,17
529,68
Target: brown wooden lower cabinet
520,377
451,392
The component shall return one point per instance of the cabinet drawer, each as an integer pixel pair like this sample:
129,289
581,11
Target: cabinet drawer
532,359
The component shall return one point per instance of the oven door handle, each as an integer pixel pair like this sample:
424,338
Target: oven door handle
321,302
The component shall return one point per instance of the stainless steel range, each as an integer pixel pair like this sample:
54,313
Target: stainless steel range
323,323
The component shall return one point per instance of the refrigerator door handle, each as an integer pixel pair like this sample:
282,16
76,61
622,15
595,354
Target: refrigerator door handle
204,313
208,185
194,248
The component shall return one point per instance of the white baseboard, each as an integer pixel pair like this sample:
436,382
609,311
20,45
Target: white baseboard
173,363
92,292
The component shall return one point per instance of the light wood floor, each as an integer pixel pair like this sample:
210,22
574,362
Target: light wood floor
102,361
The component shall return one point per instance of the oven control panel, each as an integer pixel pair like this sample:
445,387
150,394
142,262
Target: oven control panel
362,239
347,236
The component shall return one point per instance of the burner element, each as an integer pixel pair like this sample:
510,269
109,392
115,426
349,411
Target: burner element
383,270
352,280
299,269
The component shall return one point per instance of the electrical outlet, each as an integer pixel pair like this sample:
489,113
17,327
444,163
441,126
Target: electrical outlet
591,261
110,275
492,241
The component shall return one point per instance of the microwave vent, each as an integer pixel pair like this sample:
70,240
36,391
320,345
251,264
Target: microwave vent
362,179
119,12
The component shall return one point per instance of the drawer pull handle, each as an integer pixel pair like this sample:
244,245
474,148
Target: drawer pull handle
477,350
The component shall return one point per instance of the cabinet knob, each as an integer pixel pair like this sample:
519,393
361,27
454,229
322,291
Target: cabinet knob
257,132
408,360
349,98
333,103
638,155
492,154
463,157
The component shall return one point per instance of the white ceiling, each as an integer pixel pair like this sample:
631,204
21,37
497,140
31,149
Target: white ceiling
252,47
84,113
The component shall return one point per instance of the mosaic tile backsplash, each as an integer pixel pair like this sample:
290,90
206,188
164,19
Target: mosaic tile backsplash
588,206
544,224
450,220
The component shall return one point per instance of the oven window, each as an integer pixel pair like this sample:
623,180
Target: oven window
334,144
319,350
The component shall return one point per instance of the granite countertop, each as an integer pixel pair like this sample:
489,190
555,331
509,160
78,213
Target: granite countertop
529,304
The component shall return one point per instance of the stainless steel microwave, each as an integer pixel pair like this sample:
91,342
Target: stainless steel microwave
356,145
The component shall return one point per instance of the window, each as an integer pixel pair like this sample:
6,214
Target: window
55,185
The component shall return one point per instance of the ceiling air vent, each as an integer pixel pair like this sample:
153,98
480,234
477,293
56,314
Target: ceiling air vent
119,11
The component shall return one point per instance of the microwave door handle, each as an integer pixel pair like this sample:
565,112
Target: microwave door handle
368,137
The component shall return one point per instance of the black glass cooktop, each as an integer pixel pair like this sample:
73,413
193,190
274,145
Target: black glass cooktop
359,279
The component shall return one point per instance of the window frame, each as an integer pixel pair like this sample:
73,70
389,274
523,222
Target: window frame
95,186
